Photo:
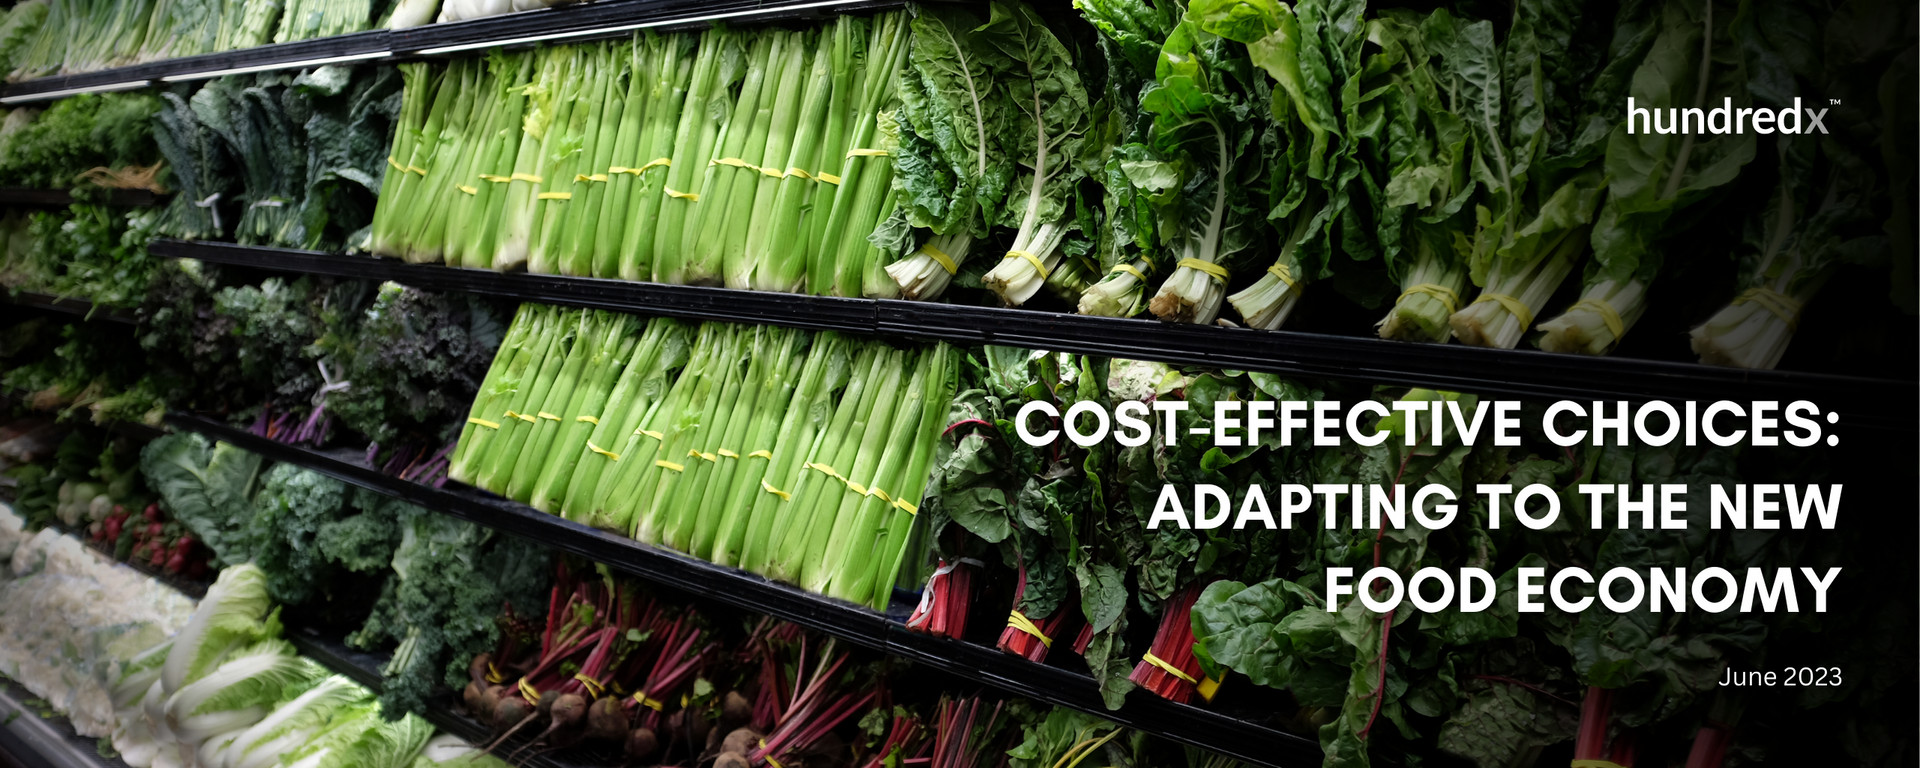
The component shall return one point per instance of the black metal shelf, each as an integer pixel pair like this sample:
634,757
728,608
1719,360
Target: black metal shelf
1249,741
574,22
1861,402
81,307
60,198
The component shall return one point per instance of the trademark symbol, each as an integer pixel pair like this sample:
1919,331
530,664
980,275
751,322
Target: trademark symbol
1834,102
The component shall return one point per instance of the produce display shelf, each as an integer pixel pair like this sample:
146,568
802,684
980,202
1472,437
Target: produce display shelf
1248,741
60,198
364,668
573,22
28,740
81,307
1861,402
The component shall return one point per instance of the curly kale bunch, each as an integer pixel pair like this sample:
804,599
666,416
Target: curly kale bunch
189,347
414,360
450,580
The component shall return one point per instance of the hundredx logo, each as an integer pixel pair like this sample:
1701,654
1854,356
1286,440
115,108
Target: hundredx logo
1724,119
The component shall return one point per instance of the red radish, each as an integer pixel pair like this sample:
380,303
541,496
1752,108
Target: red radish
152,513
155,530
176,563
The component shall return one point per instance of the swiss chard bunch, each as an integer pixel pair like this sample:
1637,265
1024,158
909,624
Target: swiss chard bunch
1131,256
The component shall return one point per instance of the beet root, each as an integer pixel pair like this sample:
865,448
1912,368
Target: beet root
731,760
475,696
642,744
699,729
606,721
479,668
509,711
735,711
741,740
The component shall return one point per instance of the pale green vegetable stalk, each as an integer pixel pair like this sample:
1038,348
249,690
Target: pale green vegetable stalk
706,241
688,149
787,538
728,498
421,86
616,505
852,553
654,68
546,121
652,158
521,469
802,102
428,222
482,195
849,77
676,499
806,417
590,180
560,179
838,266
858,459
517,420
682,224
894,541
1267,303
782,265
706,498
674,423
707,265
1432,289
519,351
662,350
556,459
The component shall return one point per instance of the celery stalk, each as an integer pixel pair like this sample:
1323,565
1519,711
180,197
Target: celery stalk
803,81
699,388
846,561
787,538
730,503
436,189
420,86
589,194
895,540
706,241
854,459
518,419
806,416
617,504
501,379
675,497
662,350
656,155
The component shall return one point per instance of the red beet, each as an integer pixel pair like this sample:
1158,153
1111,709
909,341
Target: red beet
735,710
606,720
642,744
477,669
741,740
509,711
731,760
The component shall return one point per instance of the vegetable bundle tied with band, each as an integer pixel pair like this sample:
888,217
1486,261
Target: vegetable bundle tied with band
798,455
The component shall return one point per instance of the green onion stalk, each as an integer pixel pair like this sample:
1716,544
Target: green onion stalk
688,148
839,266
640,159
725,240
520,350
807,417
769,262
662,350
857,463
426,226
590,184
787,537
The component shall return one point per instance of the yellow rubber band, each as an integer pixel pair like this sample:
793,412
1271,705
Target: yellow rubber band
1283,272
734,162
909,507
475,420
696,453
856,488
1596,764
727,453
762,453
768,487
396,164
533,696
1780,304
554,196
1171,669
594,420
1031,259
593,686
692,197
641,699
526,177
875,491
1128,268
589,177
658,162
769,758
1513,305
521,416
493,674
650,433
663,464
416,169
867,153
548,416
828,178
799,172
826,470
945,261
602,451
774,172
495,179
1438,292
1207,687
467,189
1606,312
622,169
1213,270
1019,621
